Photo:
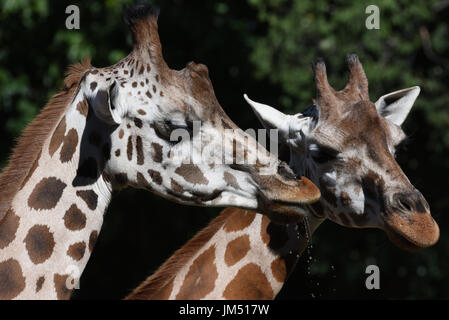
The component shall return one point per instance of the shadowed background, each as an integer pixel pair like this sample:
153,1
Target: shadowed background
263,48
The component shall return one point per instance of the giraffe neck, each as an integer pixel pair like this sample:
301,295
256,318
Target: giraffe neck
245,257
240,255
53,221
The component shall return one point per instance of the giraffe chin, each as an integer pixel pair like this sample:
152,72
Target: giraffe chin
412,233
284,213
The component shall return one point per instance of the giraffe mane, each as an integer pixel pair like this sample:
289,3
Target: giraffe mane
154,283
30,142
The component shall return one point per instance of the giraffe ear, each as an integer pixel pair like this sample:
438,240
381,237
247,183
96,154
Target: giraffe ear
270,117
395,106
103,101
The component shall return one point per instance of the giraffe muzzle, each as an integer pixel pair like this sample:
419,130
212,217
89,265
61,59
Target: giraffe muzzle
284,203
409,223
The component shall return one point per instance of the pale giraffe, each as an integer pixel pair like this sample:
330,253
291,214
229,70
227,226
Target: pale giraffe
345,144
110,128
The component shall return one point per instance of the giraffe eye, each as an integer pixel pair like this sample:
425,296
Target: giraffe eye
174,131
173,125
323,154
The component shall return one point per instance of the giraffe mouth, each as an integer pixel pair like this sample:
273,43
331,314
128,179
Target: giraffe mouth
413,232
284,212
287,203
402,242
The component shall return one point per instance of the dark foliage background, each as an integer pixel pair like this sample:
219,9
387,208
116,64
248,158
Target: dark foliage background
264,48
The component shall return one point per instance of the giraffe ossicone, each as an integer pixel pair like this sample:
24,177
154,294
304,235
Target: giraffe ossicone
342,144
109,128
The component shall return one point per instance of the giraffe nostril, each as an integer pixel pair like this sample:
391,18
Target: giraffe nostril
405,205
405,202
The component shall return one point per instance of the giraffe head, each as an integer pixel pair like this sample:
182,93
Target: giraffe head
167,133
347,145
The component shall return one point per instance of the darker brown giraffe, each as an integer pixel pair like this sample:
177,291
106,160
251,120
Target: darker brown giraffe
344,143
102,133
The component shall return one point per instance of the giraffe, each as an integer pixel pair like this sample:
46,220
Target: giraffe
110,128
240,255
244,255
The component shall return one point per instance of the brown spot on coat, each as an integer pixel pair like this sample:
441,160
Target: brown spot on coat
121,133
142,182
155,176
148,94
139,151
57,137
157,152
239,220
191,173
200,279
40,283
46,194
74,218
77,250
90,197
93,85
8,228
176,187
154,88
60,281
117,153
39,243
250,283
134,84
129,148
83,107
69,146
279,269
141,112
231,180
92,240
12,281
236,250
138,123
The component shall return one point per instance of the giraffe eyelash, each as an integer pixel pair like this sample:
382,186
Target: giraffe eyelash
165,130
